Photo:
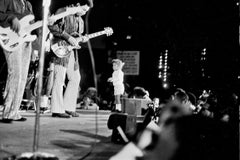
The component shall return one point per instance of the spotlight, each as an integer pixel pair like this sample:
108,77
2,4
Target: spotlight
165,85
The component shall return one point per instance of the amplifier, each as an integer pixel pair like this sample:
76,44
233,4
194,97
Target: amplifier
134,106
126,122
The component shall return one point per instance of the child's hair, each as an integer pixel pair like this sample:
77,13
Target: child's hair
118,62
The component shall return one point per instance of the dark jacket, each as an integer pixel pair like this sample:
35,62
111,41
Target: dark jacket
10,9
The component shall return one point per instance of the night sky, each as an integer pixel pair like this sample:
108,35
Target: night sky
184,28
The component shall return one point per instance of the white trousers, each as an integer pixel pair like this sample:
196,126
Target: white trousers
18,65
60,102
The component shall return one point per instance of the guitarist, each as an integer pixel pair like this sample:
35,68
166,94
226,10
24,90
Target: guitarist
63,102
11,11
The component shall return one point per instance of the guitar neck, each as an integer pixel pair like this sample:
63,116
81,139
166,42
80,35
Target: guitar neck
60,15
93,35
39,24
34,26
67,12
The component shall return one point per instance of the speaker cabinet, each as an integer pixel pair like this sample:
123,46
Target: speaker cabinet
134,106
126,122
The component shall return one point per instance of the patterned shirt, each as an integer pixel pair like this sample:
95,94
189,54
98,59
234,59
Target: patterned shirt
71,25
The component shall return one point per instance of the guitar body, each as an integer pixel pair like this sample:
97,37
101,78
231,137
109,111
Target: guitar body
61,48
24,32
11,41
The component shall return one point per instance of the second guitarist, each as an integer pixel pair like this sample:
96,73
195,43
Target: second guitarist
63,101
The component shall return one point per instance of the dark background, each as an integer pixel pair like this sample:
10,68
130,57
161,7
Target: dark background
184,28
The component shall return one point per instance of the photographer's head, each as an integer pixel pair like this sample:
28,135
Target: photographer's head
173,109
194,137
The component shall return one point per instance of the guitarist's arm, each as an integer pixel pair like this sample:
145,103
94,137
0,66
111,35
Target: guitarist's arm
5,18
58,32
57,28
9,16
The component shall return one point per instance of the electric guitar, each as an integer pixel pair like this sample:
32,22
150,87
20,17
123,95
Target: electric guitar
11,41
63,49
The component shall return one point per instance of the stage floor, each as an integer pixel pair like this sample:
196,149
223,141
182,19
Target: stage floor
67,139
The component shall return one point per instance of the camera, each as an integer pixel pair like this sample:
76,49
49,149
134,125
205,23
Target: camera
150,105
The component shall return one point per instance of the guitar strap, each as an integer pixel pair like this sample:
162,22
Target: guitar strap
80,25
24,6
76,24
73,24
80,31
76,63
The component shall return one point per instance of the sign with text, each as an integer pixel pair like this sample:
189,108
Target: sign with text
131,60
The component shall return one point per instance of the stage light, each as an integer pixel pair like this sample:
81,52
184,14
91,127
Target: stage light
130,17
163,66
165,85
129,37
204,51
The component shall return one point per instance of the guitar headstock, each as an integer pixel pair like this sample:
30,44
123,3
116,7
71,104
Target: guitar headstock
108,31
77,9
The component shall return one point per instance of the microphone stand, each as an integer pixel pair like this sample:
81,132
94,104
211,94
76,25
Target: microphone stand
46,4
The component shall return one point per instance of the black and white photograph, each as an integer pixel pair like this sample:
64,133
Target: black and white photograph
119,80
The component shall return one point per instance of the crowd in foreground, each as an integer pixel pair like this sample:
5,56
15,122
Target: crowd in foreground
188,127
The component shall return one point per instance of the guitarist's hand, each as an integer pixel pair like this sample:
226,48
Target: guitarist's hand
16,25
73,41
83,10
51,21
84,39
